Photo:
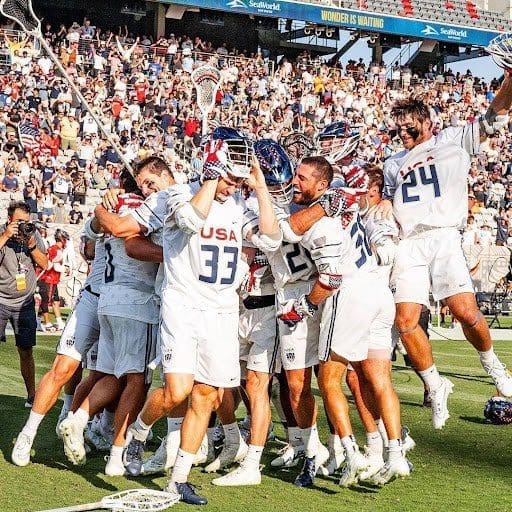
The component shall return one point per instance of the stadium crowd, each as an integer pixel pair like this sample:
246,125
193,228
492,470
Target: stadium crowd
54,156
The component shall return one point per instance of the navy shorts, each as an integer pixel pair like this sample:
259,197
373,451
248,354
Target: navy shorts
23,322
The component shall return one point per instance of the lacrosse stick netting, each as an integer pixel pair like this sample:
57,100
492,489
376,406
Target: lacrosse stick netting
206,80
500,49
132,500
22,13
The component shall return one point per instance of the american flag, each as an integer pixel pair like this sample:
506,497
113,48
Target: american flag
28,134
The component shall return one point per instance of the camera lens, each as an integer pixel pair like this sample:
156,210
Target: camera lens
26,229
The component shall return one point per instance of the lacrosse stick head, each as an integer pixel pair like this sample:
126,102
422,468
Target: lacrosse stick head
206,80
337,141
22,13
140,500
237,147
500,49
277,170
297,147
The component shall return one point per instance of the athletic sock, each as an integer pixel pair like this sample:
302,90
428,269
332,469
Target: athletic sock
311,440
107,421
431,377
382,431
294,436
253,457
335,445
350,445
32,424
394,449
67,401
231,433
374,443
81,417
488,357
182,466
174,424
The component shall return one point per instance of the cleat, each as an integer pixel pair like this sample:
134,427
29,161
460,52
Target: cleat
164,457
242,475
186,492
229,455
73,438
321,457
398,468
427,402
97,441
289,456
501,377
21,451
333,463
408,443
133,432
62,416
114,467
132,457
306,477
375,464
353,467
439,399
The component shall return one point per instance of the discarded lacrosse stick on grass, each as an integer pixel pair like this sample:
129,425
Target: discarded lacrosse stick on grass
125,501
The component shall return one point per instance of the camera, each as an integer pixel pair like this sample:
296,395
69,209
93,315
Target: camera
26,229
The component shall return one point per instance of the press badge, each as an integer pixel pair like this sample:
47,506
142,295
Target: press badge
21,281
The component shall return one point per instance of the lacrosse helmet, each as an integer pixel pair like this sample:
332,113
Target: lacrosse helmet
277,170
297,146
337,141
236,151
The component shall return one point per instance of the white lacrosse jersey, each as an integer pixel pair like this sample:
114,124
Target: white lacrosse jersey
203,269
95,278
379,232
128,288
340,250
428,186
292,262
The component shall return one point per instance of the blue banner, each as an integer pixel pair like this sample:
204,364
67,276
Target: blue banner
348,19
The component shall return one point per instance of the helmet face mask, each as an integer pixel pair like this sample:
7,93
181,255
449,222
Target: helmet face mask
337,141
297,147
277,170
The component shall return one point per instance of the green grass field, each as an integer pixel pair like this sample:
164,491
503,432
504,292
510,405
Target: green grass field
465,467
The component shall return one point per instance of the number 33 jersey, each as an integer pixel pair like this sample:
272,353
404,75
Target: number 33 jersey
203,268
429,186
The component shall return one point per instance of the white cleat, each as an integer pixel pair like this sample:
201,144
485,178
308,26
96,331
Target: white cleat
408,443
229,455
21,451
333,463
62,416
398,468
439,398
501,377
375,464
321,457
242,475
164,457
73,437
289,456
114,467
354,466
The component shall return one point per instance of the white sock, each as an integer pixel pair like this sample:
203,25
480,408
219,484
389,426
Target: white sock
81,417
107,420
311,440
142,431
374,443
487,357
116,453
231,433
382,431
394,449
182,466
253,457
67,401
335,445
209,434
32,424
350,445
174,424
294,436
431,377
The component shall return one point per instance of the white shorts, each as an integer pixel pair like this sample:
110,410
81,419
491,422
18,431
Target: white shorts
125,346
82,329
91,358
432,258
360,313
299,344
259,343
201,343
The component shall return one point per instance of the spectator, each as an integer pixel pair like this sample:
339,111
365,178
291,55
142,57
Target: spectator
20,254
30,198
48,202
10,182
75,214
79,183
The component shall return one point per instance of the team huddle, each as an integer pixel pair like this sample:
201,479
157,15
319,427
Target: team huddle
281,260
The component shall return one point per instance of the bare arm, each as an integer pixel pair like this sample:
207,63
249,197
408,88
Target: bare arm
143,249
319,294
499,106
304,219
204,197
121,227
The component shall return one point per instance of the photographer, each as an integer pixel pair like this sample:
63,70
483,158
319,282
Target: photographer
21,249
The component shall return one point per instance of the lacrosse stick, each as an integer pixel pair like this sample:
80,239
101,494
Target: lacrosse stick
206,80
500,49
132,500
22,13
